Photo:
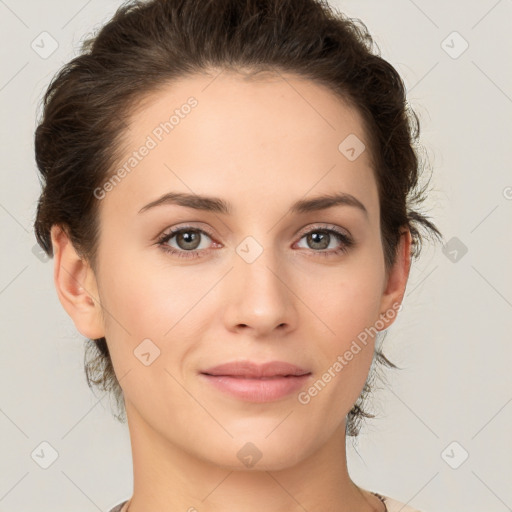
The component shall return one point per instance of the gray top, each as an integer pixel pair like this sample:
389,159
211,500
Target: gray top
392,505
119,507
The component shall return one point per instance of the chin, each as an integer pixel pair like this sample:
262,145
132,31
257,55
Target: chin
255,453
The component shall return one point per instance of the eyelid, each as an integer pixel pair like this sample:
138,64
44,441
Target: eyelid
185,226
322,225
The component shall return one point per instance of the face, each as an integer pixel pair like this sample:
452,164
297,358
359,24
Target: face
249,276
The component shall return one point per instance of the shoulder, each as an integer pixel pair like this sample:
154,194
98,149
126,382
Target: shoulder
396,506
120,507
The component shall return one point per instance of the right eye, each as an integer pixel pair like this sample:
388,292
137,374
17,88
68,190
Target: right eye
188,240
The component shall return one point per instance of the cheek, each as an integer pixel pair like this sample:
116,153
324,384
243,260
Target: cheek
152,327
150,300
349,302
349,306
153,309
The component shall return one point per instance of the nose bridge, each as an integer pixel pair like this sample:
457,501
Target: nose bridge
259,297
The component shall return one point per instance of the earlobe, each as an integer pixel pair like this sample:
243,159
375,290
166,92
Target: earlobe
394,290
76,286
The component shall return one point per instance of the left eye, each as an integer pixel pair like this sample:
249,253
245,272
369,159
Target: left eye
322,238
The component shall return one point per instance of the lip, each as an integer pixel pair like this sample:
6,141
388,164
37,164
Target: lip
250,369
254,382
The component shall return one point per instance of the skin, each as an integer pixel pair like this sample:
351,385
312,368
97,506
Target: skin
259,145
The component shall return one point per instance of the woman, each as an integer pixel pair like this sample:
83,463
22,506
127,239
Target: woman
228,193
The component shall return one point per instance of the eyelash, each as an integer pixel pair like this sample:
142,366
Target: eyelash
345,240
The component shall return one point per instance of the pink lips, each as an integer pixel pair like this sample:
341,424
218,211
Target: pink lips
257,382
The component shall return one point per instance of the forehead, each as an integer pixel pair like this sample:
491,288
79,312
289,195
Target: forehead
225,134
266,104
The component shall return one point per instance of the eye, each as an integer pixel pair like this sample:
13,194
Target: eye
321,238
188,240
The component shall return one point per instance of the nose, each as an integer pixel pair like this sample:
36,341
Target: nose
259,296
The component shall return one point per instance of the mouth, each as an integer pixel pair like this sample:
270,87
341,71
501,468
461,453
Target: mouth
257,383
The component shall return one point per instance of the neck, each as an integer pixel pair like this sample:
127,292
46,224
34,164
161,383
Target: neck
168,478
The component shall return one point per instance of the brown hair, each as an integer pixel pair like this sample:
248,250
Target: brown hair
149,43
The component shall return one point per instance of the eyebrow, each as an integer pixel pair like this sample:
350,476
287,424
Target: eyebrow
217,205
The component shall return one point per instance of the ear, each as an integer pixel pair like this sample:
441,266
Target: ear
76,286
394,289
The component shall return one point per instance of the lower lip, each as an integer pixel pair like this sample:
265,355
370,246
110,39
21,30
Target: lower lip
257,390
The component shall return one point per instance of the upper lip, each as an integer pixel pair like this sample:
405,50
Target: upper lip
250,369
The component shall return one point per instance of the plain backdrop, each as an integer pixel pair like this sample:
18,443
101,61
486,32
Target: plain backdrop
442,437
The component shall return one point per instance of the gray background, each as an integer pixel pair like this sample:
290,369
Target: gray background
452,337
